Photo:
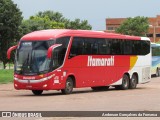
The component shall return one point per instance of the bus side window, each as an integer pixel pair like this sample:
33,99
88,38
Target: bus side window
116,47
56,58
127,45
102,47
87,47
108,46
145,47
94,46
76,47
136,47
62,50
90,46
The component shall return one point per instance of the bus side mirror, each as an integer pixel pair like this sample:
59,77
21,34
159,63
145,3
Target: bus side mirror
51,49
10,50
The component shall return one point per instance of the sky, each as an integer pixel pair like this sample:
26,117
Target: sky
95,11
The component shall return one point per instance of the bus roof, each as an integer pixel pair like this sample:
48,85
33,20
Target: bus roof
56,33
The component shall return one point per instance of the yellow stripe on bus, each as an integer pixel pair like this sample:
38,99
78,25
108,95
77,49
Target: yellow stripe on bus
133,60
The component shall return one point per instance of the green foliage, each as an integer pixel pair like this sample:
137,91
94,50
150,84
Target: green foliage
51,20
137,26
58,17
6,76
53,16
158,42
78,24
10,19
39,23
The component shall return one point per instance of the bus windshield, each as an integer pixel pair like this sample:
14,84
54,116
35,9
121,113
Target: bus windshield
31,57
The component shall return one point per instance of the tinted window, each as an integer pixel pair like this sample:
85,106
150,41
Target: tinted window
116,47
64,41
136,47
127,45
102,46
90,46
145,47
31,57
59,52
77,47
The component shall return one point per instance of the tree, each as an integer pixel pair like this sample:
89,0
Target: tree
137,26
39,23
51,20
53,16
56,19
78,24
10,19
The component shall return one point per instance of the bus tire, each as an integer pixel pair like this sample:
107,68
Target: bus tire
125,82
68,87
133,82
157,72
37,92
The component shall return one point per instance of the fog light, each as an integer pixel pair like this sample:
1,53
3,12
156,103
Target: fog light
45,85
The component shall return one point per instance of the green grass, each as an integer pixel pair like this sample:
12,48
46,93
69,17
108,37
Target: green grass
6,76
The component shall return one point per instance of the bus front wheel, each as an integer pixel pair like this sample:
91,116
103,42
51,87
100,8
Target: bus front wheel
69,86
37,92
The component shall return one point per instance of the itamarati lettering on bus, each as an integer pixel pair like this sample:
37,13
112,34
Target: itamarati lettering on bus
100,61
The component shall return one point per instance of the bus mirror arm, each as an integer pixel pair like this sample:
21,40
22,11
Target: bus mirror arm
51,49
10,50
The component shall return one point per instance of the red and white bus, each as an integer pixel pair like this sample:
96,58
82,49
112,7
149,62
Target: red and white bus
67,59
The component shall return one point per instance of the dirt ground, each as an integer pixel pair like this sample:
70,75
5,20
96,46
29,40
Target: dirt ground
145,98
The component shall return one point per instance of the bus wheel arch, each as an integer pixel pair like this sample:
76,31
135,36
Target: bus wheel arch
74,80
125,82
69,85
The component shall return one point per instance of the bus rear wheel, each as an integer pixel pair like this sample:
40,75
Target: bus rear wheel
37,92
69,86
125,83
133,82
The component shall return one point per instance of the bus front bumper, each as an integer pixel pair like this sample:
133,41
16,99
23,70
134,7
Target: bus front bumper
47,83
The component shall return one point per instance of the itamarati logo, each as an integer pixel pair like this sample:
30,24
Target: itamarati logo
100,61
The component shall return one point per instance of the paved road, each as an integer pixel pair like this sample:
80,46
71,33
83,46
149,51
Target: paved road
145,98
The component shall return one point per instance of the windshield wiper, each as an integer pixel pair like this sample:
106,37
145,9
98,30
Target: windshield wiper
26,65
33,62
26,62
